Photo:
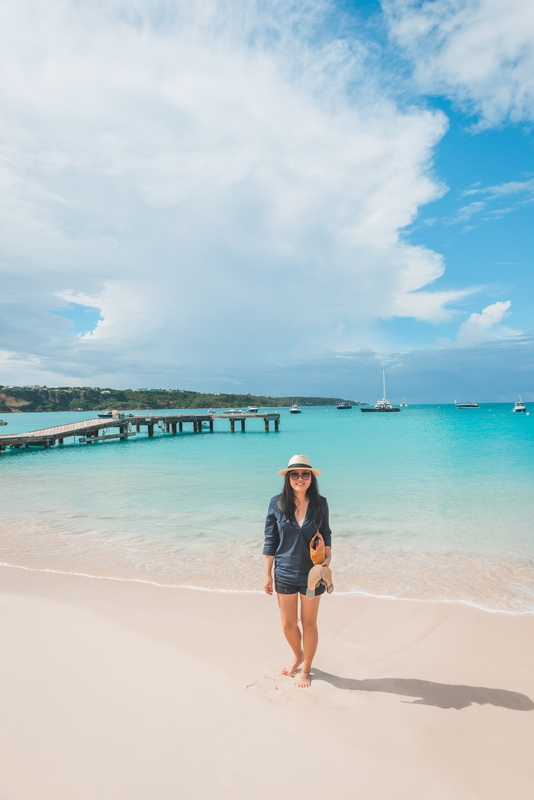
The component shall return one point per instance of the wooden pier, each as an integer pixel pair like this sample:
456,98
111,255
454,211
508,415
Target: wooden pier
90,431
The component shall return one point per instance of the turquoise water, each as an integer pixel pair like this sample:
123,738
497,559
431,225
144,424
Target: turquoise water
432,502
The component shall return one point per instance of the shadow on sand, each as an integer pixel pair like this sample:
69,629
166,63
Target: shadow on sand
441,695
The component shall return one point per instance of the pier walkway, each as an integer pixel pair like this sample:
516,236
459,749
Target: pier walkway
123,426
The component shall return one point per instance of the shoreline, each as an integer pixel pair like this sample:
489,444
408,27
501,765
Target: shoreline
488,582
216,590
164,687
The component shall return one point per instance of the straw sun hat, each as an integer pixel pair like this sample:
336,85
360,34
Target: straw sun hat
299,462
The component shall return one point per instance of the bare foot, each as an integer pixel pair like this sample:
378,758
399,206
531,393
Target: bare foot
292,668
303,680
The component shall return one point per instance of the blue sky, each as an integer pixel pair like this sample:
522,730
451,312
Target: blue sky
269,196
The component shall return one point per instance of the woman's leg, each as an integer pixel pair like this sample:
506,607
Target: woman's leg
288,604
308,616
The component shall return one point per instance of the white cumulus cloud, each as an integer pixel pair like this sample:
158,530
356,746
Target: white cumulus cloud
478,52
486,326
219,179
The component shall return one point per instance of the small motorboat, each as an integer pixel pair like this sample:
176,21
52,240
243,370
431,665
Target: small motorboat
3,422
295,409
107,415
519,405
252,410
343,405
467,405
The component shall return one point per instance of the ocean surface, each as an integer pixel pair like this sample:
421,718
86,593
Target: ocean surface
434,502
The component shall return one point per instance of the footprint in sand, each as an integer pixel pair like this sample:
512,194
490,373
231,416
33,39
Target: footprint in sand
274,686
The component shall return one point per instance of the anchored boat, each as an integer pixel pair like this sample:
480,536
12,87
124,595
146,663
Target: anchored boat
519,405
384,404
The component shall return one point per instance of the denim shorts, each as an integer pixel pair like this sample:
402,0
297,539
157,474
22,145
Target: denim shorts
281,587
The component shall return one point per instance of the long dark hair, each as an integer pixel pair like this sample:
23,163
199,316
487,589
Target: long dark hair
287,499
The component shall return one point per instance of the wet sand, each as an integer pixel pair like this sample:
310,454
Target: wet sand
124,691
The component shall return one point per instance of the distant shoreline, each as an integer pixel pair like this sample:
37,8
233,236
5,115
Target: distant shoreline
17,399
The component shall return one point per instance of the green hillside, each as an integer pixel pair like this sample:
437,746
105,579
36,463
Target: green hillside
67,398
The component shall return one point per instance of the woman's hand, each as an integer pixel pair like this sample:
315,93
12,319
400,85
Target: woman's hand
328,557
268,582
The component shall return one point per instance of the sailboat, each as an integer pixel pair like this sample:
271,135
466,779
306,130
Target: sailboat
384,404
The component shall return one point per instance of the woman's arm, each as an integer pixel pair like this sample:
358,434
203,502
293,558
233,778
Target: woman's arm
268,583
272,540
324,527
272,534
326,533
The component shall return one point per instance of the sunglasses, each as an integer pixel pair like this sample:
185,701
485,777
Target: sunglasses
304,475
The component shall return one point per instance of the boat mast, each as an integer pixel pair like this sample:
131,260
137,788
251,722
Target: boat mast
383,382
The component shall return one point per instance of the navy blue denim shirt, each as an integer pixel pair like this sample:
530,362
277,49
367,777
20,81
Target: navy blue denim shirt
290,544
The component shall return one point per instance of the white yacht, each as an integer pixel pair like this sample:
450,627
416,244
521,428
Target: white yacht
469,404
252,410
519,405
295,408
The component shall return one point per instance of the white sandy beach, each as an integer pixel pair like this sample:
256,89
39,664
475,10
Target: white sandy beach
122,691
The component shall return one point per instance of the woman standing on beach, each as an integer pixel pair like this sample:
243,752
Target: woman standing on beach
293,519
